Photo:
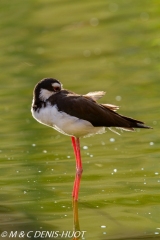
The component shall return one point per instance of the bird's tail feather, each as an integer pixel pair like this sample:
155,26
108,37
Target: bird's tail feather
134,123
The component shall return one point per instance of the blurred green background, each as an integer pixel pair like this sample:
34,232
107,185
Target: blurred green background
110,45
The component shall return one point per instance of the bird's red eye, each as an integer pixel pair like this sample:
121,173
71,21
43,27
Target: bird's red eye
56,89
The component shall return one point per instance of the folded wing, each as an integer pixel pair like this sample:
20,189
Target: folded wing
85,107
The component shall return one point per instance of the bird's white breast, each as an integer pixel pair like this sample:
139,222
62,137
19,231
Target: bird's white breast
64,123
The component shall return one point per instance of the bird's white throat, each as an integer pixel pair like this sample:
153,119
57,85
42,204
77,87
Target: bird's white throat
45,94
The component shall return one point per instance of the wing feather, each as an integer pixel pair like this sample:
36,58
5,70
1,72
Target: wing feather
95,95
86,108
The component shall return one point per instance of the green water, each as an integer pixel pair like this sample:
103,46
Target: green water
89,45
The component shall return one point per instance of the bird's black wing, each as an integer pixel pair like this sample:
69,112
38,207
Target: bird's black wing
84,107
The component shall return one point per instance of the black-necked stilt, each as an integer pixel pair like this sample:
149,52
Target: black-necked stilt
76,116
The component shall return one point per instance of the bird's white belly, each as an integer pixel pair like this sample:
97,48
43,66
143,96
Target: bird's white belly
65,123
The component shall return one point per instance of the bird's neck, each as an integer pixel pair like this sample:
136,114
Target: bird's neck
37,103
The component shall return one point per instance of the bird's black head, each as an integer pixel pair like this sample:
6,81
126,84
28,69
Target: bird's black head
45,88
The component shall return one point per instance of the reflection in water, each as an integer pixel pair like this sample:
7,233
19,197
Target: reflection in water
78,234
76,226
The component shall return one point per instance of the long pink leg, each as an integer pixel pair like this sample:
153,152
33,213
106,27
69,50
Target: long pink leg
79,170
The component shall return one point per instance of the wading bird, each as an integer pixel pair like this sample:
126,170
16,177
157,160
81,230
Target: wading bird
76,116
